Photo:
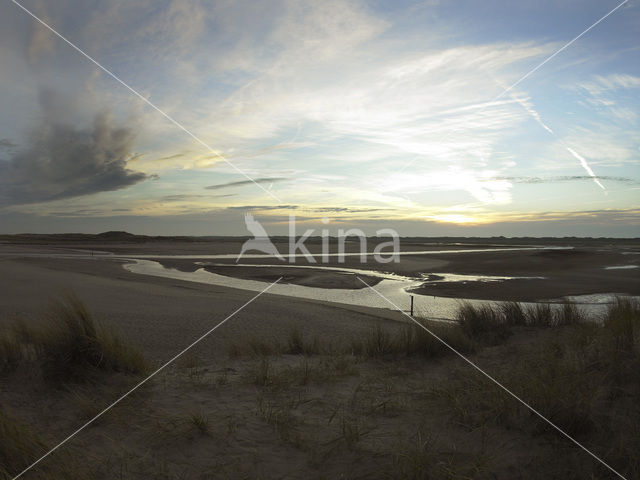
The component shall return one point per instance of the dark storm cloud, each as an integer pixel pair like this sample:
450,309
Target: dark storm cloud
61,161
246,182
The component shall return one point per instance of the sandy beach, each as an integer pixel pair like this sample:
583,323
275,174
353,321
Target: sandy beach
149,308
295,388
160,314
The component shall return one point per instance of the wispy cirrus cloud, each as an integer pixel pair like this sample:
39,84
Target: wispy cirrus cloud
326,101
604,95
602,85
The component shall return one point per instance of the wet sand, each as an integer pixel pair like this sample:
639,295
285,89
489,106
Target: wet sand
578,271
565,272
297,276
288,275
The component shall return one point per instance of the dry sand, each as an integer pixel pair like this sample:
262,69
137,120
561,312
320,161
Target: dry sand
164,315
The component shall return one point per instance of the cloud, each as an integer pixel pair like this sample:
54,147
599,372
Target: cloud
365,90
42,40
528,106
629,215
321,75
170,157
62,161
264,207
603,84
186,197
348,210
586,166
561,178
6,143
241,183
604,95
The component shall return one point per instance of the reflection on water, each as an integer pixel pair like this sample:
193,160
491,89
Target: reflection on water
392,287
621,267
454,277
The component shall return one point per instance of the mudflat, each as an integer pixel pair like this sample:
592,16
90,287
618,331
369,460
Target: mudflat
579,268
539,274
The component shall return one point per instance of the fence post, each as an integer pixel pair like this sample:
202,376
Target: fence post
412,305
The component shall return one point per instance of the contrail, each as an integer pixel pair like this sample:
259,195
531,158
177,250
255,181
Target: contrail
533,113
536,116
586,167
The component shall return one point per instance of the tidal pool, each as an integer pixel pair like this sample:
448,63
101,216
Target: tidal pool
390,293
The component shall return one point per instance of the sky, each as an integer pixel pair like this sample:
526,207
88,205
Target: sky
424,117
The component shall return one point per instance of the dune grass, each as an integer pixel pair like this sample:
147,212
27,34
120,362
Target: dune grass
420,459
552,380
622,323
485,322
200,423
492,322
514,313
66,347
20,447
412,340
584,379
69,345
298,344
349,401
569,314
379,342
10,351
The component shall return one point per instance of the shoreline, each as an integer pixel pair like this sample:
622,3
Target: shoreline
539,275
568,272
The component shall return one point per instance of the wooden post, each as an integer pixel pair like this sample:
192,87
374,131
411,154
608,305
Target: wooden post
412,305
